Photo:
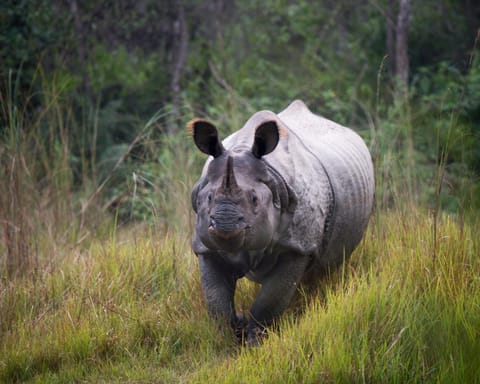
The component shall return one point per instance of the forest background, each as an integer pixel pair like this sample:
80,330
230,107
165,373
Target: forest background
95,96
98,92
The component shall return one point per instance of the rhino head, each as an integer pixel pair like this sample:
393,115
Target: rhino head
237,200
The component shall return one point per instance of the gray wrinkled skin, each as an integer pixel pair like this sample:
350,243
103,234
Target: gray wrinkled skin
285,196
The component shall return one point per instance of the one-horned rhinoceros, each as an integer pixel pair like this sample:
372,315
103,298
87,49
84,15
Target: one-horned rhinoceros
286,196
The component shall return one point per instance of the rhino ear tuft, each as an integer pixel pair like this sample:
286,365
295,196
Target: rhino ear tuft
205,136
266,139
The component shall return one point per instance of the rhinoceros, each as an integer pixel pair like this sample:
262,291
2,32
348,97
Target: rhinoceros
287,196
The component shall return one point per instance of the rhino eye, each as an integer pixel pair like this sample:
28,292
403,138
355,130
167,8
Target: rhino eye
254,199
209,197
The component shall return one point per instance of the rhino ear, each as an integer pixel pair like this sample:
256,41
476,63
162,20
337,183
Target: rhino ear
266,138
205,136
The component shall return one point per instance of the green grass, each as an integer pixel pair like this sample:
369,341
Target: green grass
130,309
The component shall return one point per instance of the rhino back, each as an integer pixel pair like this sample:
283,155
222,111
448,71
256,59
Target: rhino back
345,161
329,168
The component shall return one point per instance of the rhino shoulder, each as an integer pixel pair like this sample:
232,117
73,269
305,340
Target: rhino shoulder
296,107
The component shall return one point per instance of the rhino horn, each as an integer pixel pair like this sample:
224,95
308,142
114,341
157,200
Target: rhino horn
229,182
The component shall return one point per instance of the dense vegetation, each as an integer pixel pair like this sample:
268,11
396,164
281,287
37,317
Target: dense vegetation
96,279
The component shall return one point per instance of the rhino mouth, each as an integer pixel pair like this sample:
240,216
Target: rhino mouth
225,235
227,241
228,236
227,227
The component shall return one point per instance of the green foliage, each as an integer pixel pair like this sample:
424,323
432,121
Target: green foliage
443,31
29,31
448,104
113,73
164,176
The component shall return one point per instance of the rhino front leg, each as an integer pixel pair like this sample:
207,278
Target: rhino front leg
218,286
275,295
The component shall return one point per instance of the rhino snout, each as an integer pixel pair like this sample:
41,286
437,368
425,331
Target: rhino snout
226,227
227,222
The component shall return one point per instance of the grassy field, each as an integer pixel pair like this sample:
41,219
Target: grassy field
128,308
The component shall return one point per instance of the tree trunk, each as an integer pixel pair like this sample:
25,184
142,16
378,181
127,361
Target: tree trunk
81,51
180,51
401,59
390,26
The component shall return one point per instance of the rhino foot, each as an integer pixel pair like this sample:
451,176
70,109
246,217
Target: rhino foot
246,333
239,325
255,335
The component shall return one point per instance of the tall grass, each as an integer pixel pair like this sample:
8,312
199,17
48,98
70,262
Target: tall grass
129,308
36,178
54,191
394,316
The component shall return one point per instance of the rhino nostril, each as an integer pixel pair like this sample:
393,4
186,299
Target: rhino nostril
240,218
